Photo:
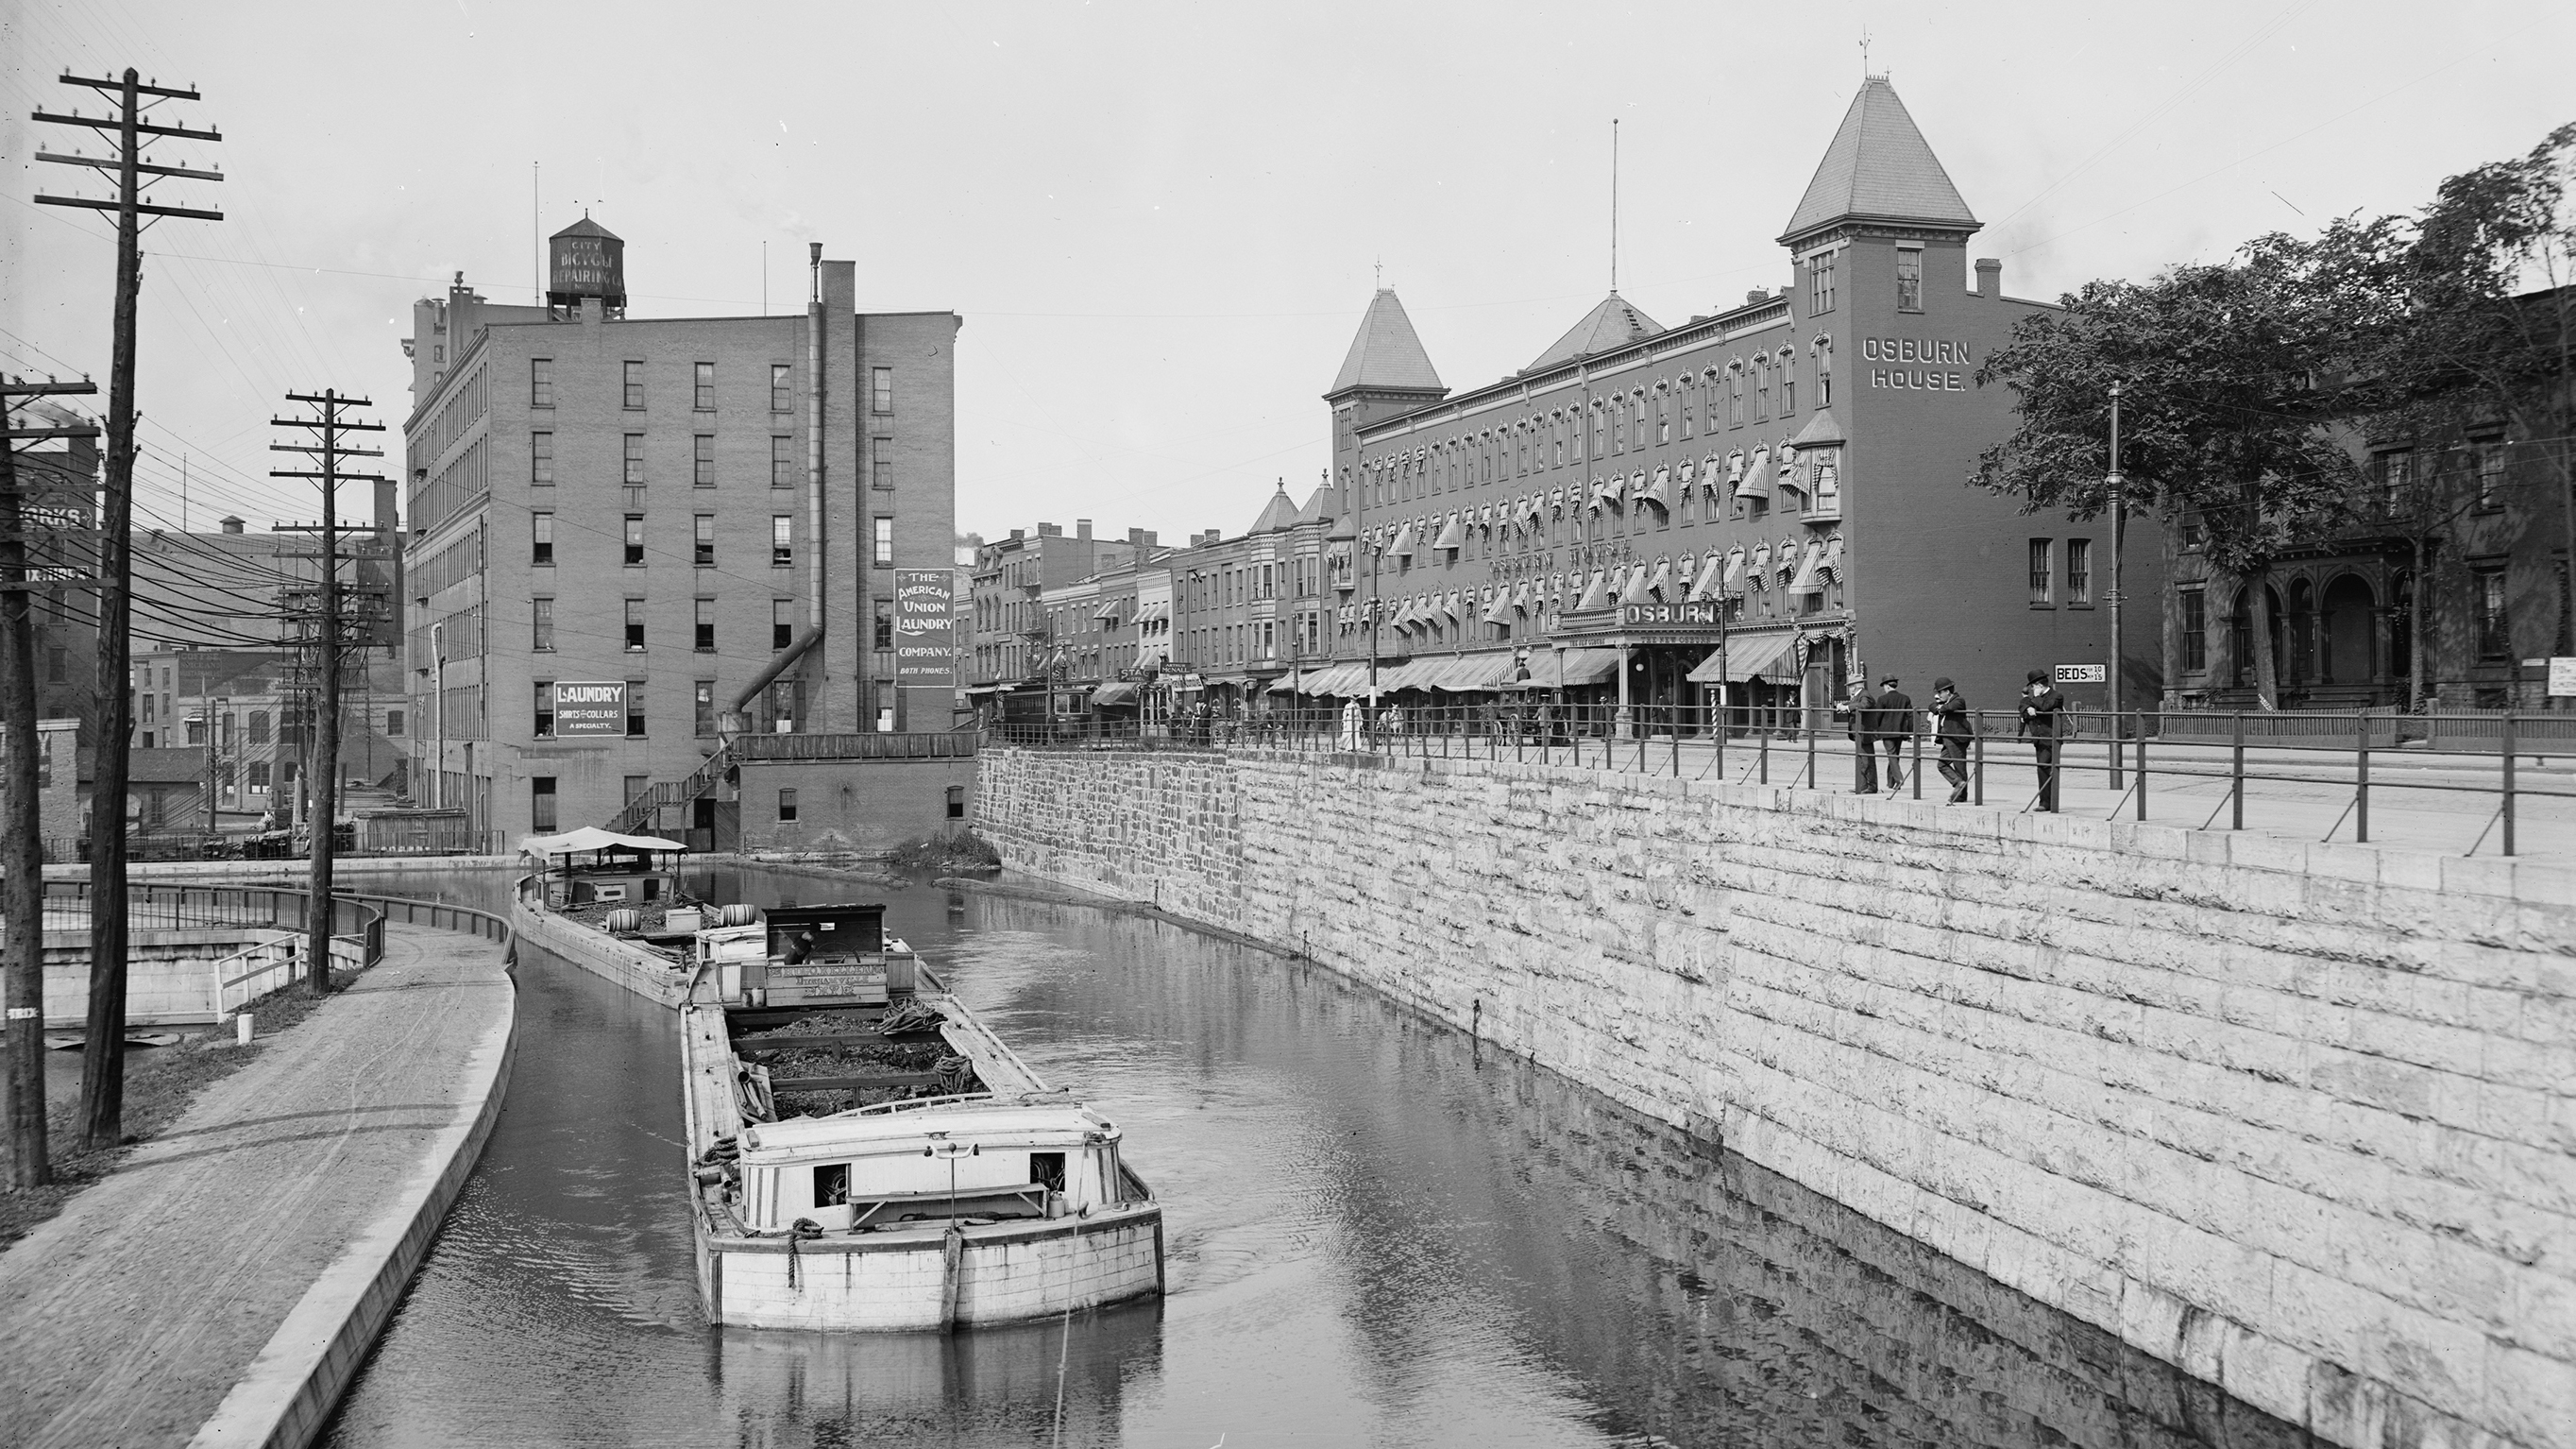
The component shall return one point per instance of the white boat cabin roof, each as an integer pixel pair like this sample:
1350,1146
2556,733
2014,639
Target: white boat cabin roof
873,1134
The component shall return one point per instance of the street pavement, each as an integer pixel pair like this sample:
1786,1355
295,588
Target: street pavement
218,1252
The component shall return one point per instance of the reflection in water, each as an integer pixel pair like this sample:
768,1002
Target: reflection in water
1377,1235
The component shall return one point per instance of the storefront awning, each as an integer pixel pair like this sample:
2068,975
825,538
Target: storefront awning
1477,673
1115,692
1750,656
1582,667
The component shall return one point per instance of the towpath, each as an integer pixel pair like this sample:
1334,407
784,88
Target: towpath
224,1283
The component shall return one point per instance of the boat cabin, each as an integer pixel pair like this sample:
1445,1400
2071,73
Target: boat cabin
591,866
904,1165
810,955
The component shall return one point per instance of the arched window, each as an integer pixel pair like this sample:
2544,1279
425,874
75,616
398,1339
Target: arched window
1824,372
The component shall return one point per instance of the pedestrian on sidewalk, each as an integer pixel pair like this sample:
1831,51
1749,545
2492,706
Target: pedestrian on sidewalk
2041,707
1896,727
1351,723
1951,728
1862,725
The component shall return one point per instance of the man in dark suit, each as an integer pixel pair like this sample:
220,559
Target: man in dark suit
1863,729
1950,712
2041,707
1895,728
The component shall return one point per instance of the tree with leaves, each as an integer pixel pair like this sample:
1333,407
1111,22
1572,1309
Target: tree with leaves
2231,373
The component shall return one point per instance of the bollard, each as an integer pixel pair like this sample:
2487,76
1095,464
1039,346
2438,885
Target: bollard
1918,764
1977,765
241,1029
2361,779
2505,809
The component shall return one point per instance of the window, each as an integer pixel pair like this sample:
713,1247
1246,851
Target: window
1762,390
881,549
541,803
57,663
2396,481
1788,382
634,458
782,623
956,802
2495,637
704,641
544,727
782,388
1909,279
393,723
703,463
541,459
1825,376
1735,395
635,384
1820,281
2486,463
703,395
882,616
787,807
702,543
881,462
1663,419
541,538
634,708
634,624
258,727
782,539
883,690
541,382
541,624
702,707
2195,632
2043,583
782,461
634,538
2079,573
881,390
258,775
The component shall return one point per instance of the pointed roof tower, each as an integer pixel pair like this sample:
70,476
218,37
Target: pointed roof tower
1280,512
1879,169
1386,356
1614,323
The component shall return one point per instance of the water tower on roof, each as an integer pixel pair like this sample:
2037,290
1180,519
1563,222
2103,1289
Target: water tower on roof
584,260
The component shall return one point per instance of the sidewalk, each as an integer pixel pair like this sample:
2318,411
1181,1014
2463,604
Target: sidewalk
231,1275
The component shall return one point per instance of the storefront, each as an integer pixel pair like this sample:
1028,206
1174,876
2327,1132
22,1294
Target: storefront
1639,662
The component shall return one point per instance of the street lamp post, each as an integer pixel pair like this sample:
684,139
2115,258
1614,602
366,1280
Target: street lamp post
2119,529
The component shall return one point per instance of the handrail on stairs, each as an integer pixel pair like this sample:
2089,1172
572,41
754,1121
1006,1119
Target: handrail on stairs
668,792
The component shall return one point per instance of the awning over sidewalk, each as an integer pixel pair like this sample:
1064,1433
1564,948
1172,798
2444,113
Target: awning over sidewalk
1748,657
1582,666
1477,673
1116,692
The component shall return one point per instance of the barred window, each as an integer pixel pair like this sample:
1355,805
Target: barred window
2043,590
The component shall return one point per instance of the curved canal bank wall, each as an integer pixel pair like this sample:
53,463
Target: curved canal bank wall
2298,1119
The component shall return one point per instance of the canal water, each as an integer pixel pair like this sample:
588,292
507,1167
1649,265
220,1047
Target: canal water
1378,1235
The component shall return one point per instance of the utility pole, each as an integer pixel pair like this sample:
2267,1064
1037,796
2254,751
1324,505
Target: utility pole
2119,527
103,1054
322,770
22,904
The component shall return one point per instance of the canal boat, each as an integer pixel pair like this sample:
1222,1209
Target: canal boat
864,1152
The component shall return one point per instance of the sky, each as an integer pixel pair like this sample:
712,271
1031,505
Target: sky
1161,223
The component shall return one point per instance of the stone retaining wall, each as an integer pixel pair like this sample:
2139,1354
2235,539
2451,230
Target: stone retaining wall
2299,1119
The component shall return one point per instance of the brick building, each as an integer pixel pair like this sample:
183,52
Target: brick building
1786,475
631,540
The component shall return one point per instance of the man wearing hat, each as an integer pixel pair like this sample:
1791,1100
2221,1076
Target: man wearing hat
2040,706
1895,728
1862,726
1950,726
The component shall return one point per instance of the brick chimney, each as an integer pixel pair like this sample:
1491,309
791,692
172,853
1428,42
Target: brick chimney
1990,277
1082,528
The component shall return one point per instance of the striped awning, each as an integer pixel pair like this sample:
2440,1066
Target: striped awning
1832,566
1659,492
1748,657
1452,537
1635,592
1476,673
1757,567
1808,579
1660,582
1582,666
1114,692
1710,580
1596,594
1403,541
1757,476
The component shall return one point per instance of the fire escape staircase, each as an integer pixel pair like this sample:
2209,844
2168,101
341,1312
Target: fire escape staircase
673,792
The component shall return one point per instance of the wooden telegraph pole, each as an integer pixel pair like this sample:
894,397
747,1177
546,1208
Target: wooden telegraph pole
322,768
103,1057
22,869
